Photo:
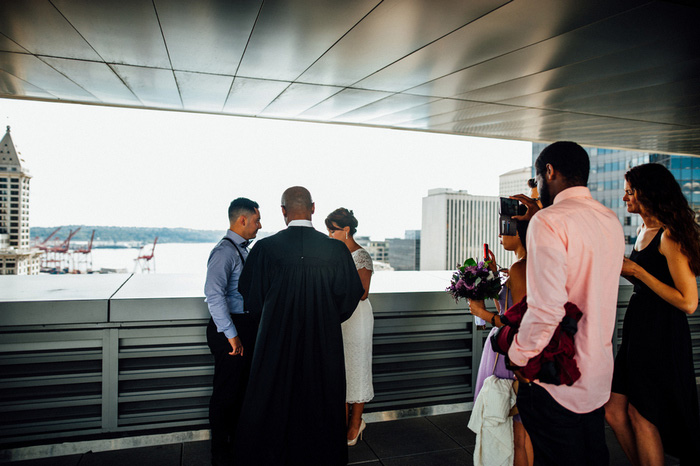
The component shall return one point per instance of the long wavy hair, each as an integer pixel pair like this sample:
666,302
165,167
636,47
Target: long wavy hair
659,193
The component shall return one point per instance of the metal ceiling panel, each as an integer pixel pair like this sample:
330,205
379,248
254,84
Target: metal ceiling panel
12,85
155,88
341,103
632,93
385,107
437,107
621,74
124,32
391,31
473,112
627,61
291,35
203,92
582,45
252,96
7,45
207,36
298,98
34,71
97,78
40,29
509,28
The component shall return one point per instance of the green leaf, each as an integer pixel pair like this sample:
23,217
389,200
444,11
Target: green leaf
469,262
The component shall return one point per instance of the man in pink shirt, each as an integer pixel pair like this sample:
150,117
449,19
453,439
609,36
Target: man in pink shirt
575,248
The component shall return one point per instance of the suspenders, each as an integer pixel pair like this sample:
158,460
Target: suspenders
236,247
242,259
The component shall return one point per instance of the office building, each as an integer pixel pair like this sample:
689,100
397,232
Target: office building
16,258
607,180
514,182
455,226
404,253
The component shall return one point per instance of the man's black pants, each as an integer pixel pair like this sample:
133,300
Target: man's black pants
230,381
559,436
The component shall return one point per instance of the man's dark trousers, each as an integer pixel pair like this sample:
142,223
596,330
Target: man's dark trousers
559,436
230,381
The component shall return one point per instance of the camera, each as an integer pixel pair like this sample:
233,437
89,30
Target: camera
507,225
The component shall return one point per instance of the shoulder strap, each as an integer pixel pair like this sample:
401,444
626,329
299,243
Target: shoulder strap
235,247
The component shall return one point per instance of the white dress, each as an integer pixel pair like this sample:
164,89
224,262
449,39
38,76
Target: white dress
357,341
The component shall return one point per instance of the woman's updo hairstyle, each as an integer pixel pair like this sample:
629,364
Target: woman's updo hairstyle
342,217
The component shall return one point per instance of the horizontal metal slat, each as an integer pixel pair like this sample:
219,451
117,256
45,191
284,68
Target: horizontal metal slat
161,352
420,374
164,416
60,356
51,403
164,394
418,356
50,380
442,336
170,372
50,426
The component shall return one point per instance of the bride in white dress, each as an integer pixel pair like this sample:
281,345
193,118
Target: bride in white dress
357,330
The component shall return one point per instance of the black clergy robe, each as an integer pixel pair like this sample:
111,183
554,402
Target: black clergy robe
300,285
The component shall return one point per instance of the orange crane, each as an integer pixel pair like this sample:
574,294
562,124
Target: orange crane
43,245
84,257
143,261
60,255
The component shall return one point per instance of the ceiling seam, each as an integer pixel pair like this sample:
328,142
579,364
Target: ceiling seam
94,50
167,52
342,88
497,56
238,67
432,42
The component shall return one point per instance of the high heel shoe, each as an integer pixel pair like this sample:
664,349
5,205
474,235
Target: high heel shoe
359,434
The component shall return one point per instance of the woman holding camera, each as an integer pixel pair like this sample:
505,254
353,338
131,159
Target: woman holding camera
513,291
654,406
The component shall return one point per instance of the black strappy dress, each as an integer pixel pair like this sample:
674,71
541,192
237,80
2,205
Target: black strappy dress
654,364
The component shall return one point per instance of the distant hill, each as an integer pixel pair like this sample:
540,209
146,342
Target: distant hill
132,234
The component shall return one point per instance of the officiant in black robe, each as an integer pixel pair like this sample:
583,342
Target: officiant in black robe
300,284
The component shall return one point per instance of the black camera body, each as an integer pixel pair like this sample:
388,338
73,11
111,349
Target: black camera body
508,226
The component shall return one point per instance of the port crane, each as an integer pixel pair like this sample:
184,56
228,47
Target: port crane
58,255
84,257
144,260
44,244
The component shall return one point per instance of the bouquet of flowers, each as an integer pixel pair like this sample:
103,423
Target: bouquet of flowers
474,281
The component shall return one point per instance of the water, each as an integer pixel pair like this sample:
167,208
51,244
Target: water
169,258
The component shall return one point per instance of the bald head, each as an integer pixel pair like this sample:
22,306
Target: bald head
297,204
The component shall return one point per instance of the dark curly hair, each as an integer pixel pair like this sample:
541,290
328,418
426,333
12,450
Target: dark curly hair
342,217
660,195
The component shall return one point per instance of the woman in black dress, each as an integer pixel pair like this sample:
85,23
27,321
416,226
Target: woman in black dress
654,405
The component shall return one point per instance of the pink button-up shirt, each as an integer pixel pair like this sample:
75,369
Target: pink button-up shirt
574,253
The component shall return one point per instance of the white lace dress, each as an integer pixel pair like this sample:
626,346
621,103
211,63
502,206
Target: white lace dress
357,341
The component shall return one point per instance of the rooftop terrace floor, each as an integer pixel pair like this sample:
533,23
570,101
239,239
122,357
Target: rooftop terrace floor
442,440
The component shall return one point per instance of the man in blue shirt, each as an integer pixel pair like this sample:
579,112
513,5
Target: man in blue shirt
231,331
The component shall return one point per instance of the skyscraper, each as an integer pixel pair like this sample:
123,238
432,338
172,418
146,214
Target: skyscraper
16,258
514,182
455,226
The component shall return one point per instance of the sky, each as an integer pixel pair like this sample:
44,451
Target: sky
105,166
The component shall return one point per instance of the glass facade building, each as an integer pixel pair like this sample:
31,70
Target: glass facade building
607,180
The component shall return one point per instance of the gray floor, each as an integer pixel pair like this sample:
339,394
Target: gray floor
442,440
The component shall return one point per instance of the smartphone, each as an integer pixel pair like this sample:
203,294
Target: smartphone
509,207
486,251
